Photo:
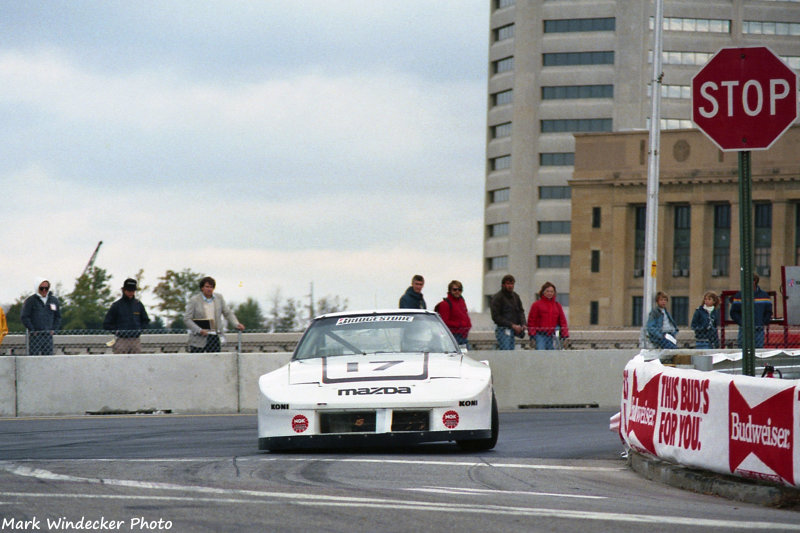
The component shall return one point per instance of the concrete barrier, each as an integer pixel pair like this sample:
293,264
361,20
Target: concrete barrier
227,382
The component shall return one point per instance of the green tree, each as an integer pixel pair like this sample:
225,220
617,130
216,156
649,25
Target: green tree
330,304
14,316
173,292
283,316
86,306
249,313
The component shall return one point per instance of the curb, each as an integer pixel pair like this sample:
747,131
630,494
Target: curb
706,482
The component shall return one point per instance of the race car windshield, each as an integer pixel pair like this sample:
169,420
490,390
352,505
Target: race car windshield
362,334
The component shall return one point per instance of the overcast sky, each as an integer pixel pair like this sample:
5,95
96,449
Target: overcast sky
269,144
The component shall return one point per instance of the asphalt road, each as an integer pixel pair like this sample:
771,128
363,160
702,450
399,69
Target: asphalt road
552,470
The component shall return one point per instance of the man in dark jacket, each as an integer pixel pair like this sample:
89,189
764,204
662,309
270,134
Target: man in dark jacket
413,298
507,314
762,312
127,317
41,316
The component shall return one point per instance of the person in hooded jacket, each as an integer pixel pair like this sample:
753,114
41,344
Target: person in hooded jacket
508,314
545,315
41,316
127,317
705,322
453,310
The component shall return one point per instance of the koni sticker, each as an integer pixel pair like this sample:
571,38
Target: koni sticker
450,419
299,423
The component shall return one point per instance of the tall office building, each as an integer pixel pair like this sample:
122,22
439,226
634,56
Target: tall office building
559,67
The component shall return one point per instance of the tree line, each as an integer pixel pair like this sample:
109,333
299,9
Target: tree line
86,305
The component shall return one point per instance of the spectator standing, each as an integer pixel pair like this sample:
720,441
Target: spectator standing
413,298
203,317
661,328
508,314
127,317
705,322
3,325
762,312
41,316
545,315
453,310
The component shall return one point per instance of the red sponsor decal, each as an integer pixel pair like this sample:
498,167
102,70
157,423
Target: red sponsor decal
643,409
299,423
764,430
450,419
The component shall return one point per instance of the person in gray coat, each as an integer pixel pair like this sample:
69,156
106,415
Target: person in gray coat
41,316
203,318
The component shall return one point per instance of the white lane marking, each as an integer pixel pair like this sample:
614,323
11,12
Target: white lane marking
348,460
479,492
444,508
256,497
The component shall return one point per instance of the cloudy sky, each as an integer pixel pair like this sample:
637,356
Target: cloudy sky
269,144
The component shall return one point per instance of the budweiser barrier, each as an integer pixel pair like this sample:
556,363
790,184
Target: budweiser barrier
731,424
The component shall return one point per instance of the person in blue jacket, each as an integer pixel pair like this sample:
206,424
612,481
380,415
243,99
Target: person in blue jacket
705,322
41,316
661,328
413,298
762,312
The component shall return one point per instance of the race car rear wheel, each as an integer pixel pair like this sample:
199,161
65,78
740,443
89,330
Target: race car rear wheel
484,444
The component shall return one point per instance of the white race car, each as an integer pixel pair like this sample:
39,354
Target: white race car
377,378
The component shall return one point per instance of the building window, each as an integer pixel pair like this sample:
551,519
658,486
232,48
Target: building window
499,195
573,25
681,241
762,238
500,4
681,58
562,59
498,230
694,25
640,223
555,192
680,310
554,227
674,123
595,217
759,27
595,267
503,97
557,159
636,318
503,33
571,92
500,163
720,262
683,92
552,261
501,130
503,65
594,313
498,263
576,125
563,298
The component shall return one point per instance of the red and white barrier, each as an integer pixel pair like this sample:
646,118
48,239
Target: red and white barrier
740,425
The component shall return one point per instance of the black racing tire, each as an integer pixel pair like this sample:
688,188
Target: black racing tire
480,445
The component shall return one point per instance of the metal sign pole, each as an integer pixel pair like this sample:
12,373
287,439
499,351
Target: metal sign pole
746,258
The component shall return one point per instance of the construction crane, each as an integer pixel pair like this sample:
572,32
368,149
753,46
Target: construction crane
90,264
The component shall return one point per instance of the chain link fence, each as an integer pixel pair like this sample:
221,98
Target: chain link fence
76,342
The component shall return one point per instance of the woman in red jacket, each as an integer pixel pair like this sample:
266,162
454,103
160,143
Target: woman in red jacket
545,315
453,311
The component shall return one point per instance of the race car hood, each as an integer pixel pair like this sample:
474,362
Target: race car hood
375,367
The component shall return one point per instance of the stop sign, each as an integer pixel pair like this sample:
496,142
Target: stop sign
744,98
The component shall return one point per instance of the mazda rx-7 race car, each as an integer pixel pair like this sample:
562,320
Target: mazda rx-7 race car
377,378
